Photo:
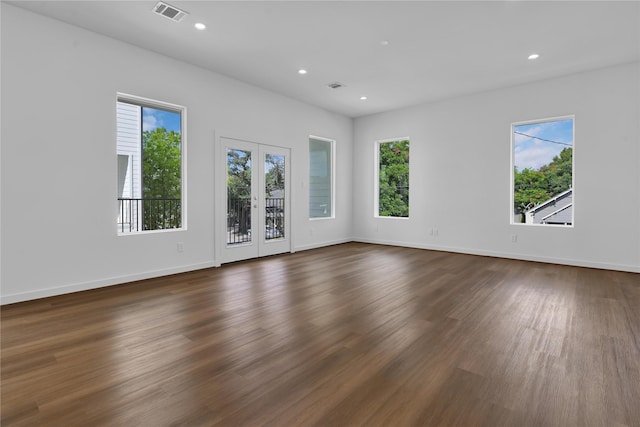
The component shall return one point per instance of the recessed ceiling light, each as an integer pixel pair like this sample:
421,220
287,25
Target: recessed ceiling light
384,43
363,98
302,71
534,56
200,26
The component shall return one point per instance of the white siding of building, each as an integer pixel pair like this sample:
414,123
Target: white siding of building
542,214
128,141
125,188
129,146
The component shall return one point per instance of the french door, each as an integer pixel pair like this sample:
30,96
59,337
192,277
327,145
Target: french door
257,212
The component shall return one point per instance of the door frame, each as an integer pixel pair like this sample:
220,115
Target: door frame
261,247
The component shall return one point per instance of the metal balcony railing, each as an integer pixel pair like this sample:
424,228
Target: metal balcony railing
148,214
239,219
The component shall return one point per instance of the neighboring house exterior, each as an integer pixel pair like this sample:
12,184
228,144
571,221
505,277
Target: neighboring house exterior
557,210
129,146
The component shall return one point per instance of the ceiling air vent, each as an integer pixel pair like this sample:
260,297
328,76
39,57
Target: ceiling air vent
335,85
169,11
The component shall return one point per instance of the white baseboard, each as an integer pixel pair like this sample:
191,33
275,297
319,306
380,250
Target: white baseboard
85,286
321,244
560,261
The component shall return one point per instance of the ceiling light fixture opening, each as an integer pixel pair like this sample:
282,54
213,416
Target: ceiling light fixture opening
363,98
200,26
302,71
534,56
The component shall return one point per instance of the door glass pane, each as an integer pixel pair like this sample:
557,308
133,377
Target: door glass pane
274,194
238,196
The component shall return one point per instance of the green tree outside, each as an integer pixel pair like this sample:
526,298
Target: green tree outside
274,178
393,198
238,174
532,187
161,179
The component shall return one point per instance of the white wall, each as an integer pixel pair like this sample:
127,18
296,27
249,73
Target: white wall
59,86
460,172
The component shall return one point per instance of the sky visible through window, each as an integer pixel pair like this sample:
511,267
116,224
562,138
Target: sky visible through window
536,144
153,118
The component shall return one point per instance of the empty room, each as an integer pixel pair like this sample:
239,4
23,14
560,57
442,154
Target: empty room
320,213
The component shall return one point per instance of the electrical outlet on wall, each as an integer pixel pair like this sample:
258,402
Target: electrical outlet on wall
180,247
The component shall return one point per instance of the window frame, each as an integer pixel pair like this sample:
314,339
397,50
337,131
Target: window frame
571,117
376,178
332,164
144,102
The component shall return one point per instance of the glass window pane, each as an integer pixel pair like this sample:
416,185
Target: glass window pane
320,175
543,172
393,179
149,148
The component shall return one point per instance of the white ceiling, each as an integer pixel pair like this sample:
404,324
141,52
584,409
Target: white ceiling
436,50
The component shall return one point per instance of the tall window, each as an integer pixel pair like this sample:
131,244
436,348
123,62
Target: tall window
542,184
392,195
150,164
320,178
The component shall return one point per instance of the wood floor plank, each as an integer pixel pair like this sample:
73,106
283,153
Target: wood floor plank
348,335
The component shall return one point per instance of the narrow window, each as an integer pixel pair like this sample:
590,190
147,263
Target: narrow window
542,184
320,178
392,195
150,165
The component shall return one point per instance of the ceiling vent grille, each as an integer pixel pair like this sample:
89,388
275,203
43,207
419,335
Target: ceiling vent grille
335,85
169,11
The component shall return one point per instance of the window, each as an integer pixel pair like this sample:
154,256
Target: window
150,145
542,184
392,195
320,178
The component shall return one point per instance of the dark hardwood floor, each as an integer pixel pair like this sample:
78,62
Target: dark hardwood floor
346,335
